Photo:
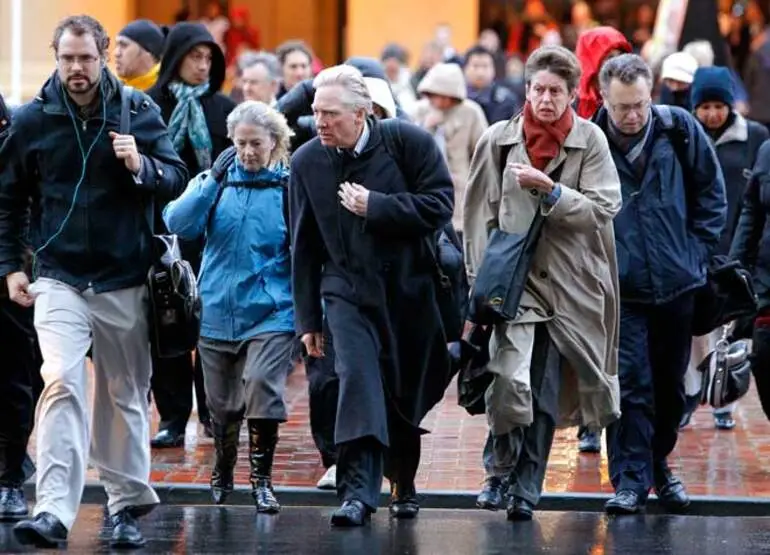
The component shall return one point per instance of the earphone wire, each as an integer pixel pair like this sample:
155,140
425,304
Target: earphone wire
85,154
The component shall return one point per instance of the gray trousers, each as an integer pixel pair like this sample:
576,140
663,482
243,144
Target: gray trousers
246,379
68,322
521,455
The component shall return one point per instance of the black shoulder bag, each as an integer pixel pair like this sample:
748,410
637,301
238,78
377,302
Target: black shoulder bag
502,275
175,307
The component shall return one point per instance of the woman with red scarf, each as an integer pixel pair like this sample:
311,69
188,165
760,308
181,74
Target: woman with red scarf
556,362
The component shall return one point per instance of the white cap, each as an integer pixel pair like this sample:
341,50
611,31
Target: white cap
679,66
382,96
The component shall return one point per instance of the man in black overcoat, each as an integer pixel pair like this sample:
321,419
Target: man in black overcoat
363,222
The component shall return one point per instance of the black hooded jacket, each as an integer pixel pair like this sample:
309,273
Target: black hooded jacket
182,38
296,104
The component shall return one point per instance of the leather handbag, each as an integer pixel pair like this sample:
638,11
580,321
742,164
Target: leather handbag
502,276
728,295
726,373
175,306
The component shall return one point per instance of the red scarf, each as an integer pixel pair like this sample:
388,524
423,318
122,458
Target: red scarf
544,140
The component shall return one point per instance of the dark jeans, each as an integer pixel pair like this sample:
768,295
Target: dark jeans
172,388
20,388
653,356
323,391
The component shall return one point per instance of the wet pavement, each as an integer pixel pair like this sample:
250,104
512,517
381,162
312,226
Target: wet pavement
305,530
711,462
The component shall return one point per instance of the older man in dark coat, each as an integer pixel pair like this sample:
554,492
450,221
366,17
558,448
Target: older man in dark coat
362,228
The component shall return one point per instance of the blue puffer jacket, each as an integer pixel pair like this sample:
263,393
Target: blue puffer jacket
668,226
245,279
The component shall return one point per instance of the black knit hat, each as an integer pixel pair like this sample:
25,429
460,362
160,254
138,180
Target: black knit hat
146,34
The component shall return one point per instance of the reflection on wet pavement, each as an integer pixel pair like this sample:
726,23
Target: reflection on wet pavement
710,462
305,530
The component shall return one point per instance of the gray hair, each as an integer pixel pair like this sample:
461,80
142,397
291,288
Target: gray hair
267,59
259,114
626,68
352,82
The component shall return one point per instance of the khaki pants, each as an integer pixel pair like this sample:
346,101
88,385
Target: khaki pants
67,321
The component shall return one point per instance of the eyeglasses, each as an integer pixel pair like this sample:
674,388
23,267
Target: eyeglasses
69,60
625,109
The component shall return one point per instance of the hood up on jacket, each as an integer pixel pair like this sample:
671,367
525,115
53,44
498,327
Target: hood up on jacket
592,49
182,38
445,79
369,67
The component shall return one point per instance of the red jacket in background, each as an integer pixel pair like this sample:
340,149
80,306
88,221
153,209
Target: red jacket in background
593,46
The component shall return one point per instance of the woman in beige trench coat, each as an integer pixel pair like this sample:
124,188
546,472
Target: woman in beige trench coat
556,363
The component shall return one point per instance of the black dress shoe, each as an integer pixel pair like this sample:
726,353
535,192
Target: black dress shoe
519,509
166,439
125,531
671,493
13,505
625,502
352,513
403,501
491,496
45,530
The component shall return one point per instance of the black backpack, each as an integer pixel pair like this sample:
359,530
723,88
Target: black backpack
175,306
444,246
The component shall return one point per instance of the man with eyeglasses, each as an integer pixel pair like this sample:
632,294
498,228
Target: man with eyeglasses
674,209
82,188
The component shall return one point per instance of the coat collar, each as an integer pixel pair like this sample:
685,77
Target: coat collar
52,99
738,132
513,135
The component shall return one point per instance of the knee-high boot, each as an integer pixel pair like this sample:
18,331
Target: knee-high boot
263,437
226,455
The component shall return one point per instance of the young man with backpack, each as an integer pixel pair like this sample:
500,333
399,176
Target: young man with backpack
674,211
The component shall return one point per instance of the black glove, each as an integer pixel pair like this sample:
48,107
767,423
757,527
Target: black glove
222,163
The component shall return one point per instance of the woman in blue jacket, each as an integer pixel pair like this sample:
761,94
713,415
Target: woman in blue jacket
247,326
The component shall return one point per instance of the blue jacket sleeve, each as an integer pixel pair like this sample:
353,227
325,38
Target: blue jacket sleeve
708,211
429,204
188,215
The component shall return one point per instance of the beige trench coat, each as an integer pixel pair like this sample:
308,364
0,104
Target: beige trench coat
573,282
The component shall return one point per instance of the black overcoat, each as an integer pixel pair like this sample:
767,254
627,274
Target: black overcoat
375,276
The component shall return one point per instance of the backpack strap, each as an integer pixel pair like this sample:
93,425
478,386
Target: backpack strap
126,94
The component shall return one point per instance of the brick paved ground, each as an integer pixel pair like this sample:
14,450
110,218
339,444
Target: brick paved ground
710,462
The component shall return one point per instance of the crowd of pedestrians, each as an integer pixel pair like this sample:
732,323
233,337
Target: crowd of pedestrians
324,213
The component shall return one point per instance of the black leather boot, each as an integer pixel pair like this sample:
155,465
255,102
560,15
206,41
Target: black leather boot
263,437
226,455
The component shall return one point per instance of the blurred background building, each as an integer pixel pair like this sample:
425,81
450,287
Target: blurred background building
336,29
